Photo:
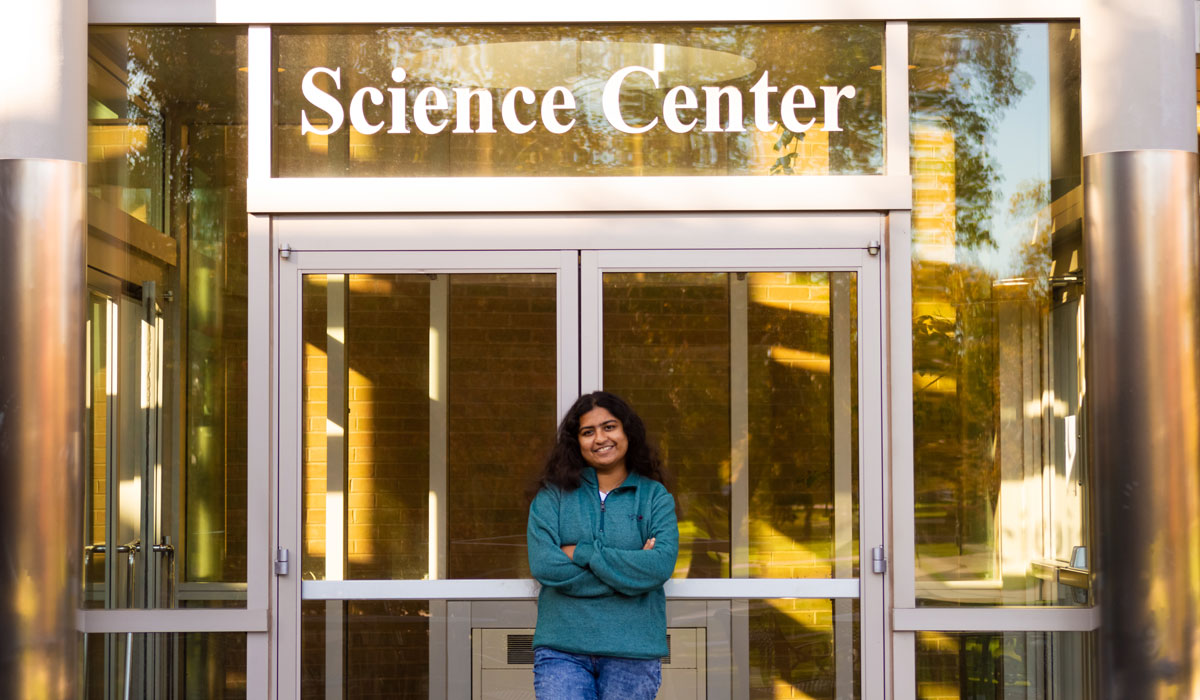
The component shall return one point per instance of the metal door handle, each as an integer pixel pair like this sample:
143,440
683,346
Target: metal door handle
131,548
167,549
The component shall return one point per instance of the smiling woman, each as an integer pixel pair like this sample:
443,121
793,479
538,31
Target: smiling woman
603,540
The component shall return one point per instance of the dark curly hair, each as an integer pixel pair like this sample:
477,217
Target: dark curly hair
564,467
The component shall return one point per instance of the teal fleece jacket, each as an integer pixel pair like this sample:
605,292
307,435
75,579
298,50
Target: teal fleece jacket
609,600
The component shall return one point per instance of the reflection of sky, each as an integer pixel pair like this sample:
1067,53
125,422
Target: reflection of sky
1020,147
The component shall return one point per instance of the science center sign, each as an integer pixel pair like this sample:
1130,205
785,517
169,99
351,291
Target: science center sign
585,100
714,109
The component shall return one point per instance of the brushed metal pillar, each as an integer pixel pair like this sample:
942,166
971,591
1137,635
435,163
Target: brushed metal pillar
41,419
1143,384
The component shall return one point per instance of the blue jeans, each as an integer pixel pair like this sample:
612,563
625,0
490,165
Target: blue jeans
558,675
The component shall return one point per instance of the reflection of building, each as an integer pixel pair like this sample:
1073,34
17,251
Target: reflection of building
321,368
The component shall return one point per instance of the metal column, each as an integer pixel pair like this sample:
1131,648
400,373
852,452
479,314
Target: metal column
1143,364
41,423
43,119
1140,224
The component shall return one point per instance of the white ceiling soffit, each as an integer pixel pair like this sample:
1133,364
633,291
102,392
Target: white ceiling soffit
489,11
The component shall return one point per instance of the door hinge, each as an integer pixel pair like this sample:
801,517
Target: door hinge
878,560
873,247
281,561
285,251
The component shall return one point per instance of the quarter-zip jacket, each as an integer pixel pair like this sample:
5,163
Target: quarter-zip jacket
608,600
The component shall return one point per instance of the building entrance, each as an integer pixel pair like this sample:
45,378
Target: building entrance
419,393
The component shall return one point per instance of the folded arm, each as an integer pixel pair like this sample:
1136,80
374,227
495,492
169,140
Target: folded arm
547,561
630,571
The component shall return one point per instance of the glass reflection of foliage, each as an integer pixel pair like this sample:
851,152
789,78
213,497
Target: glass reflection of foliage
994,221
845,59
1033,665
385,649
791,434
666,351
500,334
211,665
793,650
446,57
167,145
966,76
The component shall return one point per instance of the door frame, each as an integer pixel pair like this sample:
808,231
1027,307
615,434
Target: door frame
577,248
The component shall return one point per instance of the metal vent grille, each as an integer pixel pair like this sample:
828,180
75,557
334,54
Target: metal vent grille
520,649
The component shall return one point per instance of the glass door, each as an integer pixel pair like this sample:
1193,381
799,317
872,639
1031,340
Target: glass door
419,393
760,373
417,389
128,559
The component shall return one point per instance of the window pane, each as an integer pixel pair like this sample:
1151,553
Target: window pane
1000,476
1033,665
802,648
720,124
769,358
95,490
167,506
175,665
449,383
778,648
666,351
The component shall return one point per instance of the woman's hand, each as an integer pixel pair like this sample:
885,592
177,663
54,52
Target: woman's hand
649,544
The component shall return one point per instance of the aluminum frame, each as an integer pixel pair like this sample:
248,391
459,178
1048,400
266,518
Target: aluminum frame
996,619
658,230
476,12
527,589
573,194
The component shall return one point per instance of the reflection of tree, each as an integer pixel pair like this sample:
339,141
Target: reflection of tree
179,99
965,78
844,58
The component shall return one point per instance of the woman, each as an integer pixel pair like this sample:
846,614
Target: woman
602,541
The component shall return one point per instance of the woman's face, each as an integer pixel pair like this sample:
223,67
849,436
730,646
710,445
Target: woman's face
602,440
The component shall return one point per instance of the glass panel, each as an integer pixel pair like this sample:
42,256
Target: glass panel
95,492
749,382
1000,475
449,383
802,648
530,100
166,249
192,665
1034,665
382,645
382,649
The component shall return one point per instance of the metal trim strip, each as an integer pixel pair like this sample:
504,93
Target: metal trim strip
996,619
477,12
577,194
524,589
